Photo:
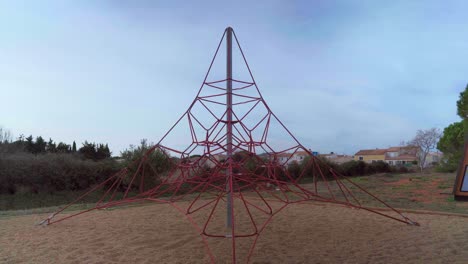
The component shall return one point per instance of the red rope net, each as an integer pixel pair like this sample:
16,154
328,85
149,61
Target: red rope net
247,188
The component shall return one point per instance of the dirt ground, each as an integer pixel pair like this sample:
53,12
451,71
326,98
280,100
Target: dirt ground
301,233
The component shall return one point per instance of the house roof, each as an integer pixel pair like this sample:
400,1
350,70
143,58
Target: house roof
364,152
301,153
284,155
344,159
394,149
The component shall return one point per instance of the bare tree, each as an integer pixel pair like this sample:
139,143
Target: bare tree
425,140
5,135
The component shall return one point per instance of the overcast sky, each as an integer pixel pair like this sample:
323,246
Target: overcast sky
341,75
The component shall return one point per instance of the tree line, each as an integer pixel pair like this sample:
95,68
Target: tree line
31,166
38,145
453,138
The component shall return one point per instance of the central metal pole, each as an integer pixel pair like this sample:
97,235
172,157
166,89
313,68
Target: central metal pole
229,125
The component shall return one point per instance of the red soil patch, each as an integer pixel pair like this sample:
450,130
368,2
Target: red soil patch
430,192
422,190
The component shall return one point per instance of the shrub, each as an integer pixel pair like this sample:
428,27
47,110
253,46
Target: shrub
354,168
294,169
319,165
447,165
350,168
51,172
380,166
402,169
156,163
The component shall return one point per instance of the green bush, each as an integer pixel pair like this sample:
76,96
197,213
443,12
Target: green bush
350,168
448,165
156,163
319,166
51,172
402,169
354,168
294,170
380,167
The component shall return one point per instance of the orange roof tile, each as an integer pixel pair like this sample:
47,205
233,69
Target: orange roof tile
371,152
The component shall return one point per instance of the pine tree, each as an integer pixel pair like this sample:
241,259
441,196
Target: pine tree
51,147
462,111
107,150
455,135
74,147
462,104
88,150
29,144
63,148
20,143
40,145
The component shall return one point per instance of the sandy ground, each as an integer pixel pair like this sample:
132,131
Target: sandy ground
301,233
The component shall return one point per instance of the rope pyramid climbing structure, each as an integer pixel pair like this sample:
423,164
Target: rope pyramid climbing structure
229,160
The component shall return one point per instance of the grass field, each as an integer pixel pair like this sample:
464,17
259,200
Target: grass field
416,191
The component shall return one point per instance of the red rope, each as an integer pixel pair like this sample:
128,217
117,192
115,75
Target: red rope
196,186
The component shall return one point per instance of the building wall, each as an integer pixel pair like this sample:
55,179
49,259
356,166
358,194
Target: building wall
405,162
370,158
338,159
297,158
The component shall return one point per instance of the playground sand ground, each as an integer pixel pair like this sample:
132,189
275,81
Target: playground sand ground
301,233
